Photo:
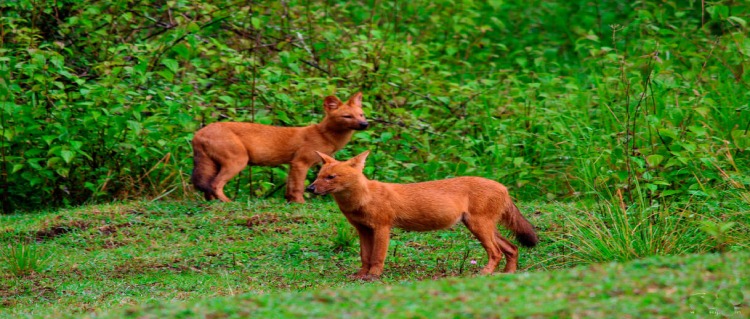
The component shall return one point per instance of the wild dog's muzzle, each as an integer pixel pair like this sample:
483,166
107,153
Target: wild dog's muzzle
310,188
314,190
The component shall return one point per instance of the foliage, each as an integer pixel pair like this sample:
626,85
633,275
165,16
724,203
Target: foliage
622,234
635,113
21,259
718,231
344,236
99,99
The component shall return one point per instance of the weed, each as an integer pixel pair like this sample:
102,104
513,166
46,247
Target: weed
617,234
344,237
22,259
718,232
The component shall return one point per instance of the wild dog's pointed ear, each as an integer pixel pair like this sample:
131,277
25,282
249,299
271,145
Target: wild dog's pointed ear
326,159
331,103
358,161
356,99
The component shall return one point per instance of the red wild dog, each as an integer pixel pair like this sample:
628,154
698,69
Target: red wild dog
221,150
374,208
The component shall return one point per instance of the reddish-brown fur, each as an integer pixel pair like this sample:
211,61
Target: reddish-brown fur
221,150
374,208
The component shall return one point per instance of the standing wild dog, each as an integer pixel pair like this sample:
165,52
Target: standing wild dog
374,208
221,150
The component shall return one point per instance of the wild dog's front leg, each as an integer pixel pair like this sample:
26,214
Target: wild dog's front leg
381,239
295,184
365,250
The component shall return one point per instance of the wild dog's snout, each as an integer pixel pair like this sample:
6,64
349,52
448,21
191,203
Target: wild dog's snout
310,188
363,125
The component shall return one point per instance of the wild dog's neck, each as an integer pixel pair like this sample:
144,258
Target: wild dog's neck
338,135
355,196
328,125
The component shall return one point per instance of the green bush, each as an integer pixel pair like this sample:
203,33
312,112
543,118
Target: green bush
99,100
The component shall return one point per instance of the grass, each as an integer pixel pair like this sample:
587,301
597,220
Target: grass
651,288
143,255
22,258
622,234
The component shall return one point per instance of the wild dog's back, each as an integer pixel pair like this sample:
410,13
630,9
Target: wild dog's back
446,202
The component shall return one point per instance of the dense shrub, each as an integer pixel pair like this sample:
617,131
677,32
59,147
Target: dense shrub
557,99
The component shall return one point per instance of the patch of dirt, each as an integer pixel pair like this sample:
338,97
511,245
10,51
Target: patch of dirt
139,266
60,229
31,285
111,229
7,291
111,244
263,219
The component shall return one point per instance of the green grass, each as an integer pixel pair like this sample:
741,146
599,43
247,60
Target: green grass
144,254
651,288
108,255
23,258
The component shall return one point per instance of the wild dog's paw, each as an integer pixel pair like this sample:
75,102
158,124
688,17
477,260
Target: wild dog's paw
364,277
356,275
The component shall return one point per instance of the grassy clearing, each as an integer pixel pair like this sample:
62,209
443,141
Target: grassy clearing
650,288
109,255
146,253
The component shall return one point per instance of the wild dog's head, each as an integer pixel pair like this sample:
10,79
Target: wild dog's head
347,115
337,176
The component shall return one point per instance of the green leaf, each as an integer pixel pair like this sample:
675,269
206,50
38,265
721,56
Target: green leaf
227,99
193,27
495,4
738,20
385,136
53,161
172,65
63,171
451,50
670,192
66,155
654,160
718,12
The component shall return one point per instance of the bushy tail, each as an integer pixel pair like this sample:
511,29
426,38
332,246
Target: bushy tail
204,170
521,227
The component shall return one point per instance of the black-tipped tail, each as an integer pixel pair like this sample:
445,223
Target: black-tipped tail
204,170
521,227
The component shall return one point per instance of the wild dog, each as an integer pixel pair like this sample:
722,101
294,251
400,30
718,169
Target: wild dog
221,150
373,208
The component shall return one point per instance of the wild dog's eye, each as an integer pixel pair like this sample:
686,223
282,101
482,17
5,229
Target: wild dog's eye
330,177
348,117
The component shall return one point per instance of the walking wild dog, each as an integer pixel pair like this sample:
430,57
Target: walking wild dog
374,208
221,150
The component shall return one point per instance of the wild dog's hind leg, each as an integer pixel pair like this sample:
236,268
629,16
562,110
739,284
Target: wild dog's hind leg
228,169
484,231
510,251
